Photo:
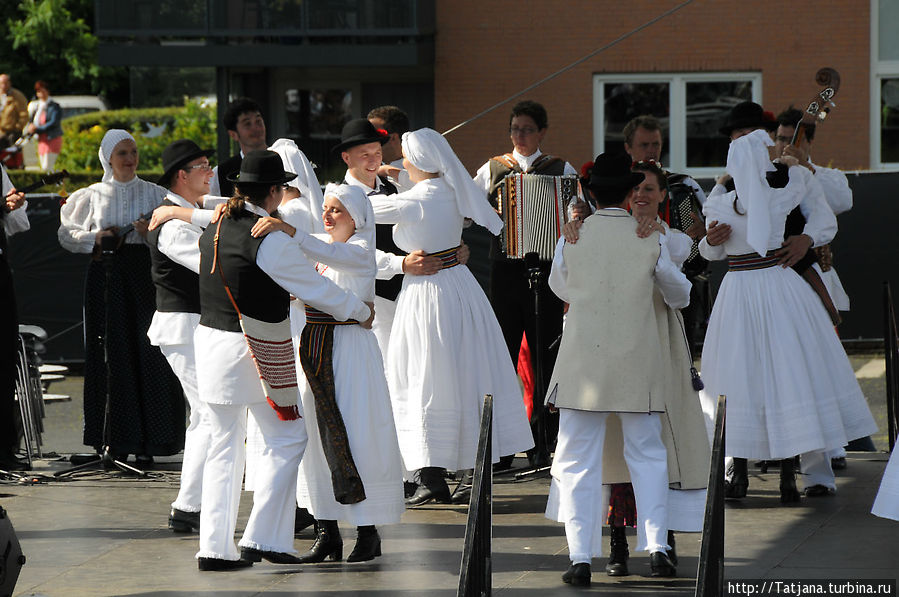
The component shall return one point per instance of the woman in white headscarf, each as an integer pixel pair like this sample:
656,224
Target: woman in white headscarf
446,347
357,385
147,409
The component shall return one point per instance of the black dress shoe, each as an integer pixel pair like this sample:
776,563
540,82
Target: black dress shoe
181,521
838,463
142,461
220,565
819,491
302,520
327,544
368,545
660,565
577,575
619,554
275,557
462,492
432,486
9,463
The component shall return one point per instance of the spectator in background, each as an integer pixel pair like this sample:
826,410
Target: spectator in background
244,122
13,111
46,122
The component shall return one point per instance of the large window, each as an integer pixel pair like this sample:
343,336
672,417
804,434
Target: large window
690,106
885,84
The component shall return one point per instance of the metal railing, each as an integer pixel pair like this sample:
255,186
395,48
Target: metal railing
476,569
710,577
891,357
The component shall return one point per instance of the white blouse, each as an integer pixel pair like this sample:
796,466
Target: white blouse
103,205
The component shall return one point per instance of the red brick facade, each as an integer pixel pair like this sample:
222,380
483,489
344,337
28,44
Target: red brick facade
488,50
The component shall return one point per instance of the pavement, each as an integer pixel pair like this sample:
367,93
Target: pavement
104,534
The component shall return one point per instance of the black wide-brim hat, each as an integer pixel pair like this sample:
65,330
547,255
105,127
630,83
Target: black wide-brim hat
746,115
261,167
177,154
359,131
612,172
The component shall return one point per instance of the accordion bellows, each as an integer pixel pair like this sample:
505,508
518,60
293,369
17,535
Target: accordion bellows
534,209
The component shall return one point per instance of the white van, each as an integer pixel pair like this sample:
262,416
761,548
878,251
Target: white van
72,105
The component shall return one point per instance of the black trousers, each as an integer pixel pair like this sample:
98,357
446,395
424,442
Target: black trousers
9,344
513,304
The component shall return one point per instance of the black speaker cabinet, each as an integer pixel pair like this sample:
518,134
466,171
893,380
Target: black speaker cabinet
11,557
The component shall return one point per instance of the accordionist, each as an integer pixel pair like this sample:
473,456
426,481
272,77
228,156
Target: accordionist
510,294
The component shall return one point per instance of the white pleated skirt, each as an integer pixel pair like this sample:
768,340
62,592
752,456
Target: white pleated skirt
886,504
446,352
771,349
361,392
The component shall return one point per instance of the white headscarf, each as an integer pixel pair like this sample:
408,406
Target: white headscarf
359,207
112,138
296,162
427,150
748,162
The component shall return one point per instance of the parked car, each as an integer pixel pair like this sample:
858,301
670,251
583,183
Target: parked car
72,105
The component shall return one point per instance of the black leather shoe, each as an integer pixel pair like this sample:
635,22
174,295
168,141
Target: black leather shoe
302,520
660,565
275,557
327,544
219,565
618,555
788,492
142,461
368,545
838,463
184,522
672,554
738,485
462,492
818,491
9,463
577,575
431,486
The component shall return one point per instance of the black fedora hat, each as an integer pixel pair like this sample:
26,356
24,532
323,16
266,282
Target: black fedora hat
261,167
612,172
177,154
746,115
359,131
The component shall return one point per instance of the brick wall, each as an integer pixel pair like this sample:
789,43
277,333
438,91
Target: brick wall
488,50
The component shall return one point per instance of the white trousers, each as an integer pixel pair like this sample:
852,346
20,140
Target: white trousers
270,527
577,479
196,439
816,469
384,312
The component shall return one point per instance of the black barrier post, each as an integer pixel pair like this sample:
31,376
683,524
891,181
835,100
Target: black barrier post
475,573
891,357
710,577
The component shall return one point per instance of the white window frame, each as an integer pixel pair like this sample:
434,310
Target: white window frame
880,69
677,100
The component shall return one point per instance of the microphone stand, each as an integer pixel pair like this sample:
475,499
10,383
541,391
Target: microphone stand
105,459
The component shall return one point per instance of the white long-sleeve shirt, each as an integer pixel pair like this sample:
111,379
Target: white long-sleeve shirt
389,265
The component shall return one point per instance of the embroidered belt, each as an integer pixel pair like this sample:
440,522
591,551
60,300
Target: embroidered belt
313,315
448,258
750,261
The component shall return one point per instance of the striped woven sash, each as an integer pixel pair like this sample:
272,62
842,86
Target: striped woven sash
448,258
750,261
313,315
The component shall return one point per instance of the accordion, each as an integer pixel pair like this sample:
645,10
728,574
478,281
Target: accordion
534,208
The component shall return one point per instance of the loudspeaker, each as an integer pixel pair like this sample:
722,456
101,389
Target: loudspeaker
11,557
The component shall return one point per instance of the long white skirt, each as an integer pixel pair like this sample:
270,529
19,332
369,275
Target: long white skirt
361,392
886,504
771,349
446,352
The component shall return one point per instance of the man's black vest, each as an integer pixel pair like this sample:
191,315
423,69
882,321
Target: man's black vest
388,289
255,293
177,287
226,169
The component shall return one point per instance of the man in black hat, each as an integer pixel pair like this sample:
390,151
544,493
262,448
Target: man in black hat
175,259
360,148
610,362
245,125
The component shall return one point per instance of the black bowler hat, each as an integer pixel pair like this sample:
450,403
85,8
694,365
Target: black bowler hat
612,172
261,167
359,131
176,155
746,115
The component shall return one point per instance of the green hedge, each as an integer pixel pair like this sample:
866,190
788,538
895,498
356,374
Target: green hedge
152,128
77,179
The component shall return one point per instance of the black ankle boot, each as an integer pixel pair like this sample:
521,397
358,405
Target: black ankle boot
462,492
302,520
672,554
738,485
788,492
431,486
368,545
328,543
619,553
